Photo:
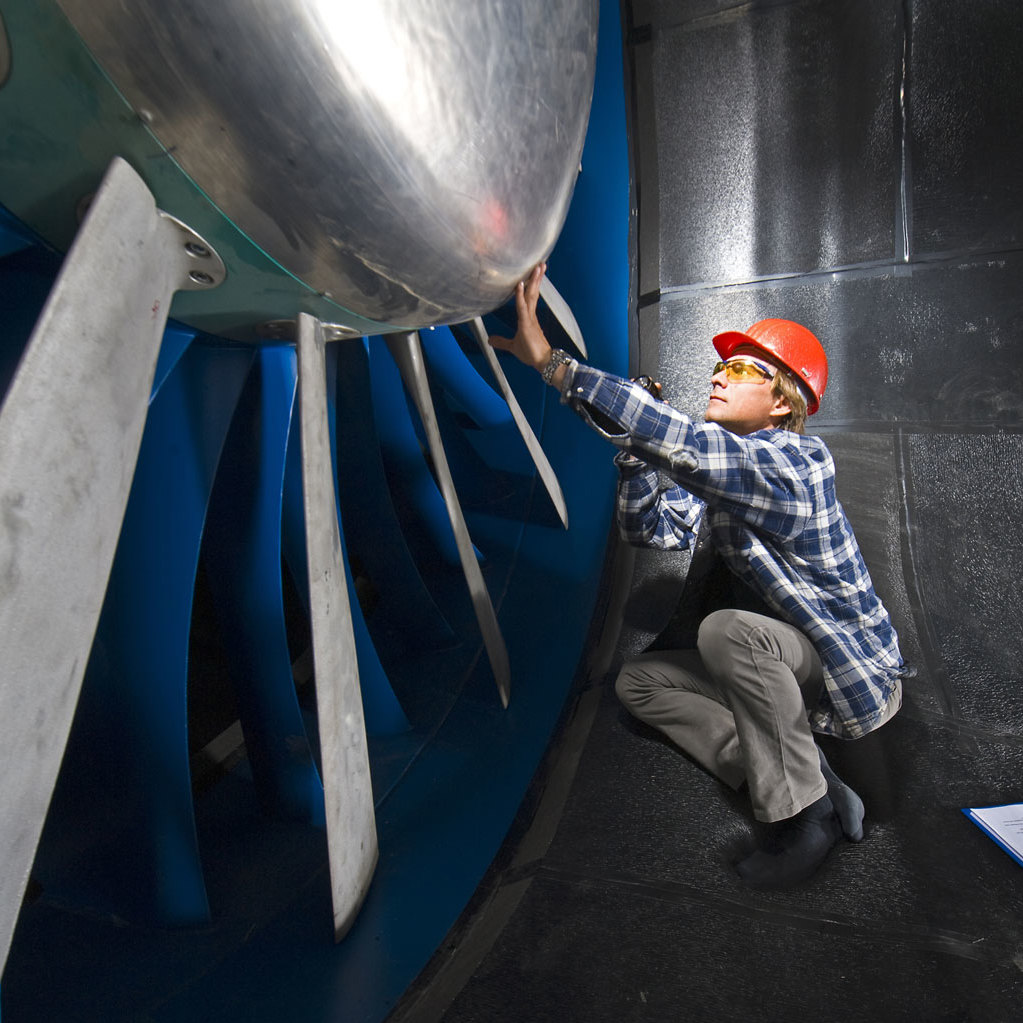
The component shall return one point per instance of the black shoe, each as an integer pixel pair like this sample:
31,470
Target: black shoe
848,805
798,849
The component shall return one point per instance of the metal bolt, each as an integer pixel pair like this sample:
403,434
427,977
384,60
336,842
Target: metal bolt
339,332
200,277
197,249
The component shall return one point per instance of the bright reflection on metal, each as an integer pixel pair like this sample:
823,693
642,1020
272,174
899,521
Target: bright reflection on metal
413,159
379,61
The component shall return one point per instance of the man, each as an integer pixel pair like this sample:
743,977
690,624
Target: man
810,646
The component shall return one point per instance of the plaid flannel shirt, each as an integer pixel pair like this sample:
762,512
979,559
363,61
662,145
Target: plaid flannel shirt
775,519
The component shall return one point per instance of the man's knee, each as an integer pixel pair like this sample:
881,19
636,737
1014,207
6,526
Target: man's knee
730,640
720,635
631,683
643,679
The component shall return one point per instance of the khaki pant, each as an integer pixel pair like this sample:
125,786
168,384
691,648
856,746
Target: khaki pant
737,705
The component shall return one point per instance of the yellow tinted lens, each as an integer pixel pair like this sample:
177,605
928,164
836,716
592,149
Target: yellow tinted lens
741,372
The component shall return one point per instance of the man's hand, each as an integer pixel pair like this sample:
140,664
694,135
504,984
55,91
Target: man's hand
530,344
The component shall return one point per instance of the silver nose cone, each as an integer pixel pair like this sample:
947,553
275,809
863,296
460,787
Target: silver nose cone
410,158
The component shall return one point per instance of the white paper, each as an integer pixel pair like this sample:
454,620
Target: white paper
1004,824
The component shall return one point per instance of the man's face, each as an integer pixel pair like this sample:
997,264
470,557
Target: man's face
747,405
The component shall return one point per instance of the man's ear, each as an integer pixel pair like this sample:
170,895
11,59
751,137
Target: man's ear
781,407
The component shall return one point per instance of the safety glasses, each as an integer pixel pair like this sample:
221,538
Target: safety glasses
745,371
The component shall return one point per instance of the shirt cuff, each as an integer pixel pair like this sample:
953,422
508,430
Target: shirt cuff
576,391
568,379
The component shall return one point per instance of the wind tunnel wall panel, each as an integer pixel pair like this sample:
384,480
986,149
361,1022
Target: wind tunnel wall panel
870,487
789,115
928,345
966,142
968,491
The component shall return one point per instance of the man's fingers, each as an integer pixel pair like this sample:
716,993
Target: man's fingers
521,306
503,344
532,286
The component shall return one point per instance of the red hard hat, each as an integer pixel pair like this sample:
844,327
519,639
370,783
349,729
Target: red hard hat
791,344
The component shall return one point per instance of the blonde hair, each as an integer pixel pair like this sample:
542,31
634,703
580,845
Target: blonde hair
785,386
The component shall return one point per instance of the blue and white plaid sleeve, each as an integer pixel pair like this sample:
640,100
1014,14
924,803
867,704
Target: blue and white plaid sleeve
652,516
747,476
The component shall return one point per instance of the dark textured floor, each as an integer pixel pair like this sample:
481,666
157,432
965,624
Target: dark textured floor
805,158
615,899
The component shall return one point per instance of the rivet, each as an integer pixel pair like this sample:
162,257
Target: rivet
200,277
197,249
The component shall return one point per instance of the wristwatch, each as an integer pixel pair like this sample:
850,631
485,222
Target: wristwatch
559,357
648,384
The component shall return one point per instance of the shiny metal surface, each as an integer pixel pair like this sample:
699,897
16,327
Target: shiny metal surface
412,158
407,351
347,786
70,429
563,314
203,266
543,466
